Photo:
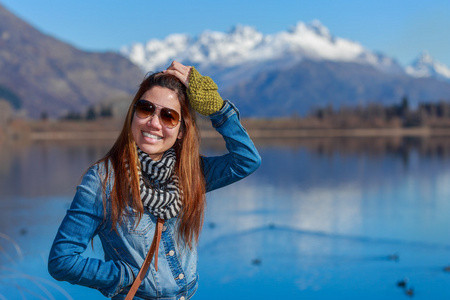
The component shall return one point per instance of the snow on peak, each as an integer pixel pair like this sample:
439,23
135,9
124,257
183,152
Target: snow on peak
155,52
317,27
244,44
425,66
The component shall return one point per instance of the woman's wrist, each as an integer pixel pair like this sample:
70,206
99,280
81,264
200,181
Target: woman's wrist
202,93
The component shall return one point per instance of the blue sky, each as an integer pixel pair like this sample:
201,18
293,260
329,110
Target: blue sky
402,29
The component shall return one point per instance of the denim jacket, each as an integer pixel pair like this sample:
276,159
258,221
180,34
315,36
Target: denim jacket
125,250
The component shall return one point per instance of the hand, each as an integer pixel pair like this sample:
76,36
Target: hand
180,71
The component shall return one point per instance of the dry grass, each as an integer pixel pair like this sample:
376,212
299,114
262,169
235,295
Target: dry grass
24,284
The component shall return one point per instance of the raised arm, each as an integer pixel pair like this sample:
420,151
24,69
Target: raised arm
242,158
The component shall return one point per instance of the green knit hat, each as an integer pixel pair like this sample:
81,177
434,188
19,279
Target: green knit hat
202,93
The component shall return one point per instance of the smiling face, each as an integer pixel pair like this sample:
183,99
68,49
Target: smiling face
150,135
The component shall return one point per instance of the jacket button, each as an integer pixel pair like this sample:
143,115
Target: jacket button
182,298
164,228
171,253
181,276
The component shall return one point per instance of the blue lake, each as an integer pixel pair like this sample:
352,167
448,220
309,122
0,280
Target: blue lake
321,219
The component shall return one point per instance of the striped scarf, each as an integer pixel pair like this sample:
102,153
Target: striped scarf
160,193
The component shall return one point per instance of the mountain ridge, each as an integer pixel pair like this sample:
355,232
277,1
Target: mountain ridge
52,77
246,45
310,85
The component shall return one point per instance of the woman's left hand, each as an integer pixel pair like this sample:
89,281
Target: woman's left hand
180,71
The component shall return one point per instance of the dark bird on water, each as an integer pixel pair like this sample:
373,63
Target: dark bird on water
410,292
402,283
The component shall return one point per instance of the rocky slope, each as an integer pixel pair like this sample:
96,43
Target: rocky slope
40,74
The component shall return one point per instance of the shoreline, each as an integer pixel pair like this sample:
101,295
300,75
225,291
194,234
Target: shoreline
259,129
259,133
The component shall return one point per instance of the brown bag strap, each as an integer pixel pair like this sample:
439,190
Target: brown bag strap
148,260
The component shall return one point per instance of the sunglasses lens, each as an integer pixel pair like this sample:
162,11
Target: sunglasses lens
169,117
144,109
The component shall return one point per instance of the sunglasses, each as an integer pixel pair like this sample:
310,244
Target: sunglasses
168,117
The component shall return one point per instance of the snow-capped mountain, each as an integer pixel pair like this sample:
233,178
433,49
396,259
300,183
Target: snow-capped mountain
244,45
290,72
426,66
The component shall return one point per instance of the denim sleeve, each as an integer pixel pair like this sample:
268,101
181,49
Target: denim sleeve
242,158
79,226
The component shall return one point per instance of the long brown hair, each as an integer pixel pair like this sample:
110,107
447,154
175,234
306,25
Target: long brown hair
188,166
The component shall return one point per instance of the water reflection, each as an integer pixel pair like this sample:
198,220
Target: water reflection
44,169
319,214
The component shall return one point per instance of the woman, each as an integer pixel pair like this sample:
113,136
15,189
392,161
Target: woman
146,197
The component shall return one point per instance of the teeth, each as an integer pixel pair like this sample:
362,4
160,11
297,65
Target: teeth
146,134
